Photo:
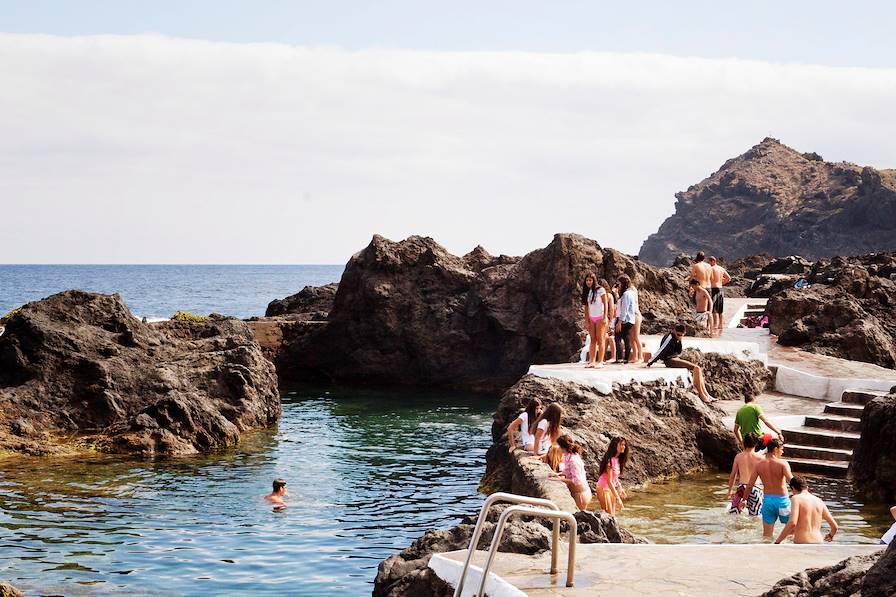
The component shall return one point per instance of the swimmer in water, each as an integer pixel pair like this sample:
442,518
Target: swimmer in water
277,495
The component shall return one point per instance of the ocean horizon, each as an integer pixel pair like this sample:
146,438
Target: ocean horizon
157,291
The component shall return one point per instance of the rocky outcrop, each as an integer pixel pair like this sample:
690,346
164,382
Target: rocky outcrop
776,200
866,576
79,366
407,573
7,590
409,312
727,377
670,431
847,309
311,303
874,459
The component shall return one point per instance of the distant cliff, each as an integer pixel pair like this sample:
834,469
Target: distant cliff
776,200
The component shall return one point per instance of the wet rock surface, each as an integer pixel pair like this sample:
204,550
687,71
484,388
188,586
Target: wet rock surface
669,430
77,371
866,576
847,310
776,200
874,459
405,572
409,312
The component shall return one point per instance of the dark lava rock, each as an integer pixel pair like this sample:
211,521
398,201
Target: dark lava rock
776,200
312,302
669,430
400,573
846,311
409,312
866,576
79,362
727,377
874,459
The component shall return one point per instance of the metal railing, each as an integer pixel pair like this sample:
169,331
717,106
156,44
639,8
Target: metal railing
548,510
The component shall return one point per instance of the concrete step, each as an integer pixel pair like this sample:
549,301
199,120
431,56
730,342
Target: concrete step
816,453
828,468
821,438
835,422
846,409
859,396
756,306
757,311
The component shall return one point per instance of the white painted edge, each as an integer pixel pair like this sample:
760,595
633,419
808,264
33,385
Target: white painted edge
450,570
800,383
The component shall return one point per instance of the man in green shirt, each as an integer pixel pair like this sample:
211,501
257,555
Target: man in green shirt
747,421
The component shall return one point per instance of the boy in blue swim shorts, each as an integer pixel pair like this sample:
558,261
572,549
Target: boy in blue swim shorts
775,473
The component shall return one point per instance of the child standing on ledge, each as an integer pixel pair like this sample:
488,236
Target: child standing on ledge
609,489
573,471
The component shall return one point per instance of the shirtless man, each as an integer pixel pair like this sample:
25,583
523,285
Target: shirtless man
774,473
277,495
718,278
701,270
703,300
742,469
805,518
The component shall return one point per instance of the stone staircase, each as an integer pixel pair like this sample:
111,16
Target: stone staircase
752,310
824,444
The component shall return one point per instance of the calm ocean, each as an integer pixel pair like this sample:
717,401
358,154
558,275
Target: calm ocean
162,290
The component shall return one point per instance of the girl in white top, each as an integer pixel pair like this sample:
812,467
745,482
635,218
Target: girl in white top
595,308
526,424
547,429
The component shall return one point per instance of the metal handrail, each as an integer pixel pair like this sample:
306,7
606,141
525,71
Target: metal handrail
483,513
557,515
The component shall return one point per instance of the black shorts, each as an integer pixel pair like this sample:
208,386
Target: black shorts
718,300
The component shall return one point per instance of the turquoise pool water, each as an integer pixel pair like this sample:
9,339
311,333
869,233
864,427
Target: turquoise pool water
367,472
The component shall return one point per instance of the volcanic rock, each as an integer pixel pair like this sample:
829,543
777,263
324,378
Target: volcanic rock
874,459
847,309
776,200
669,430
727,377
399,573
409,312
80,363
311,303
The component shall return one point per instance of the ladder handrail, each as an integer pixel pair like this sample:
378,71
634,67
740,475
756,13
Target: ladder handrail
483,513
557,515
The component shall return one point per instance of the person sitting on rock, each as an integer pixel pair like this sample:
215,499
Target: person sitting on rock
703,302
276,496
669,352
572,472
806,513
891,534
742,469
547,429
526,424
609,488
747,421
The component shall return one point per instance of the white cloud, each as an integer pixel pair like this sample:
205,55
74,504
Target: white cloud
150,149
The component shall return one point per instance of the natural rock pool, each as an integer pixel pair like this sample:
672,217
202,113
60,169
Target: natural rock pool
367,471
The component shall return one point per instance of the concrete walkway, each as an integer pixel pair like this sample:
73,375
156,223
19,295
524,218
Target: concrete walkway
638,570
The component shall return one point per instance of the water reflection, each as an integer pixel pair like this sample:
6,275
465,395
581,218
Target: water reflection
368,472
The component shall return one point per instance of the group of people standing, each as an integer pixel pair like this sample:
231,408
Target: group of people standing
613,320
706,289
540,433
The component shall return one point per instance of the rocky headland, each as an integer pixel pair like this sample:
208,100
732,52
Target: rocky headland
78,371
873,465
776,200
412,313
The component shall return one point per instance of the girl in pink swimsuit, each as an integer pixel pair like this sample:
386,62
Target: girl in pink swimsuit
573,471
609,488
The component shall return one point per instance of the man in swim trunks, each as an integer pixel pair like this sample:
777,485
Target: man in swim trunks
703,301
669,352
807,511
701,270
742,469
276,496
718,278
774,472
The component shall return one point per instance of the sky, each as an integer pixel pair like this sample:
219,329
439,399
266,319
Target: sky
291,132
